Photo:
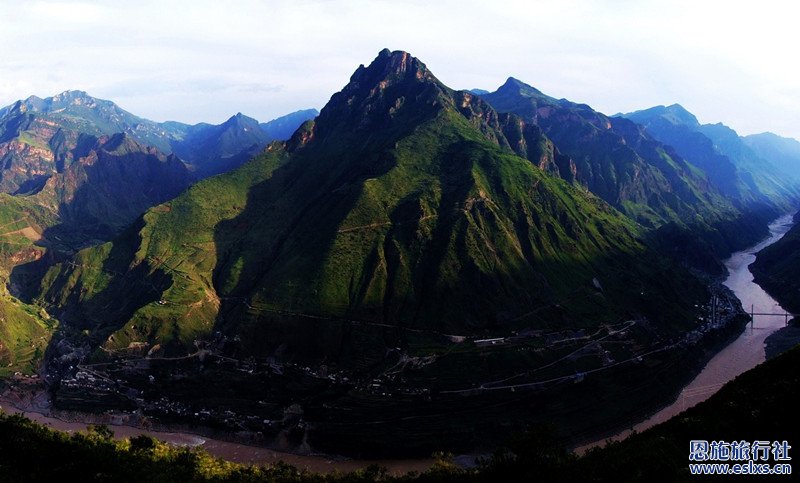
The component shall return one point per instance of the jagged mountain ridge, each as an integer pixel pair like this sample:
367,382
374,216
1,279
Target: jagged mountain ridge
614,159
52,128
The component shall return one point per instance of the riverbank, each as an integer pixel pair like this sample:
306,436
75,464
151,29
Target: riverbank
29,399
743,353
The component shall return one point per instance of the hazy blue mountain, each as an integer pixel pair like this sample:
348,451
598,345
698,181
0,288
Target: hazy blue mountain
211,149
782,152
283,127
740,174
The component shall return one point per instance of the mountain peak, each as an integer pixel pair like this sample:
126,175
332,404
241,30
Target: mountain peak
388,68
240,119
72,94
675,114
514,86
76,97
376,94
120,143
679,113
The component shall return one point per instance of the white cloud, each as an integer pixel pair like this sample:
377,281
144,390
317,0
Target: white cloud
205,60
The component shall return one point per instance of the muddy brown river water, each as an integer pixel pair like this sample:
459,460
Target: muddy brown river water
32,403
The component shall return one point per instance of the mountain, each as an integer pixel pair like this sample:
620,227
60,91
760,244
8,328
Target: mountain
647,180
44,131
783,153
743,175
213,149
74,171
58,156
677,127
282,128
767,177
111,185
52,152
777,269
78,111
397,205
365,262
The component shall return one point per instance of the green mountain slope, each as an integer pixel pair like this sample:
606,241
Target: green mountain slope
25,332
75,170
393,207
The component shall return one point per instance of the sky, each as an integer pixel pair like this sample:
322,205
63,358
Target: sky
193,61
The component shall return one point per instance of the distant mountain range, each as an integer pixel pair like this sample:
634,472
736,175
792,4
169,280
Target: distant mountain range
784,153
97,167
206,148
746,176
696,207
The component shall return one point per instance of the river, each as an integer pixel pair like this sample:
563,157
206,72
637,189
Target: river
33,403
744,353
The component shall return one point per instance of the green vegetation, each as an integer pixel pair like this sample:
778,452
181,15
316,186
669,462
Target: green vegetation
21,224
25,331
30,452
381,242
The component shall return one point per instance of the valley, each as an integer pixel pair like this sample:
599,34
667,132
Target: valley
411,269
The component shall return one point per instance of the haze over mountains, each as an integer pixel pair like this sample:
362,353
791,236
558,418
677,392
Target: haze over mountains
410,250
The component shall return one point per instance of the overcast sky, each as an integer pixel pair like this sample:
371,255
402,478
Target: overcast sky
193,61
